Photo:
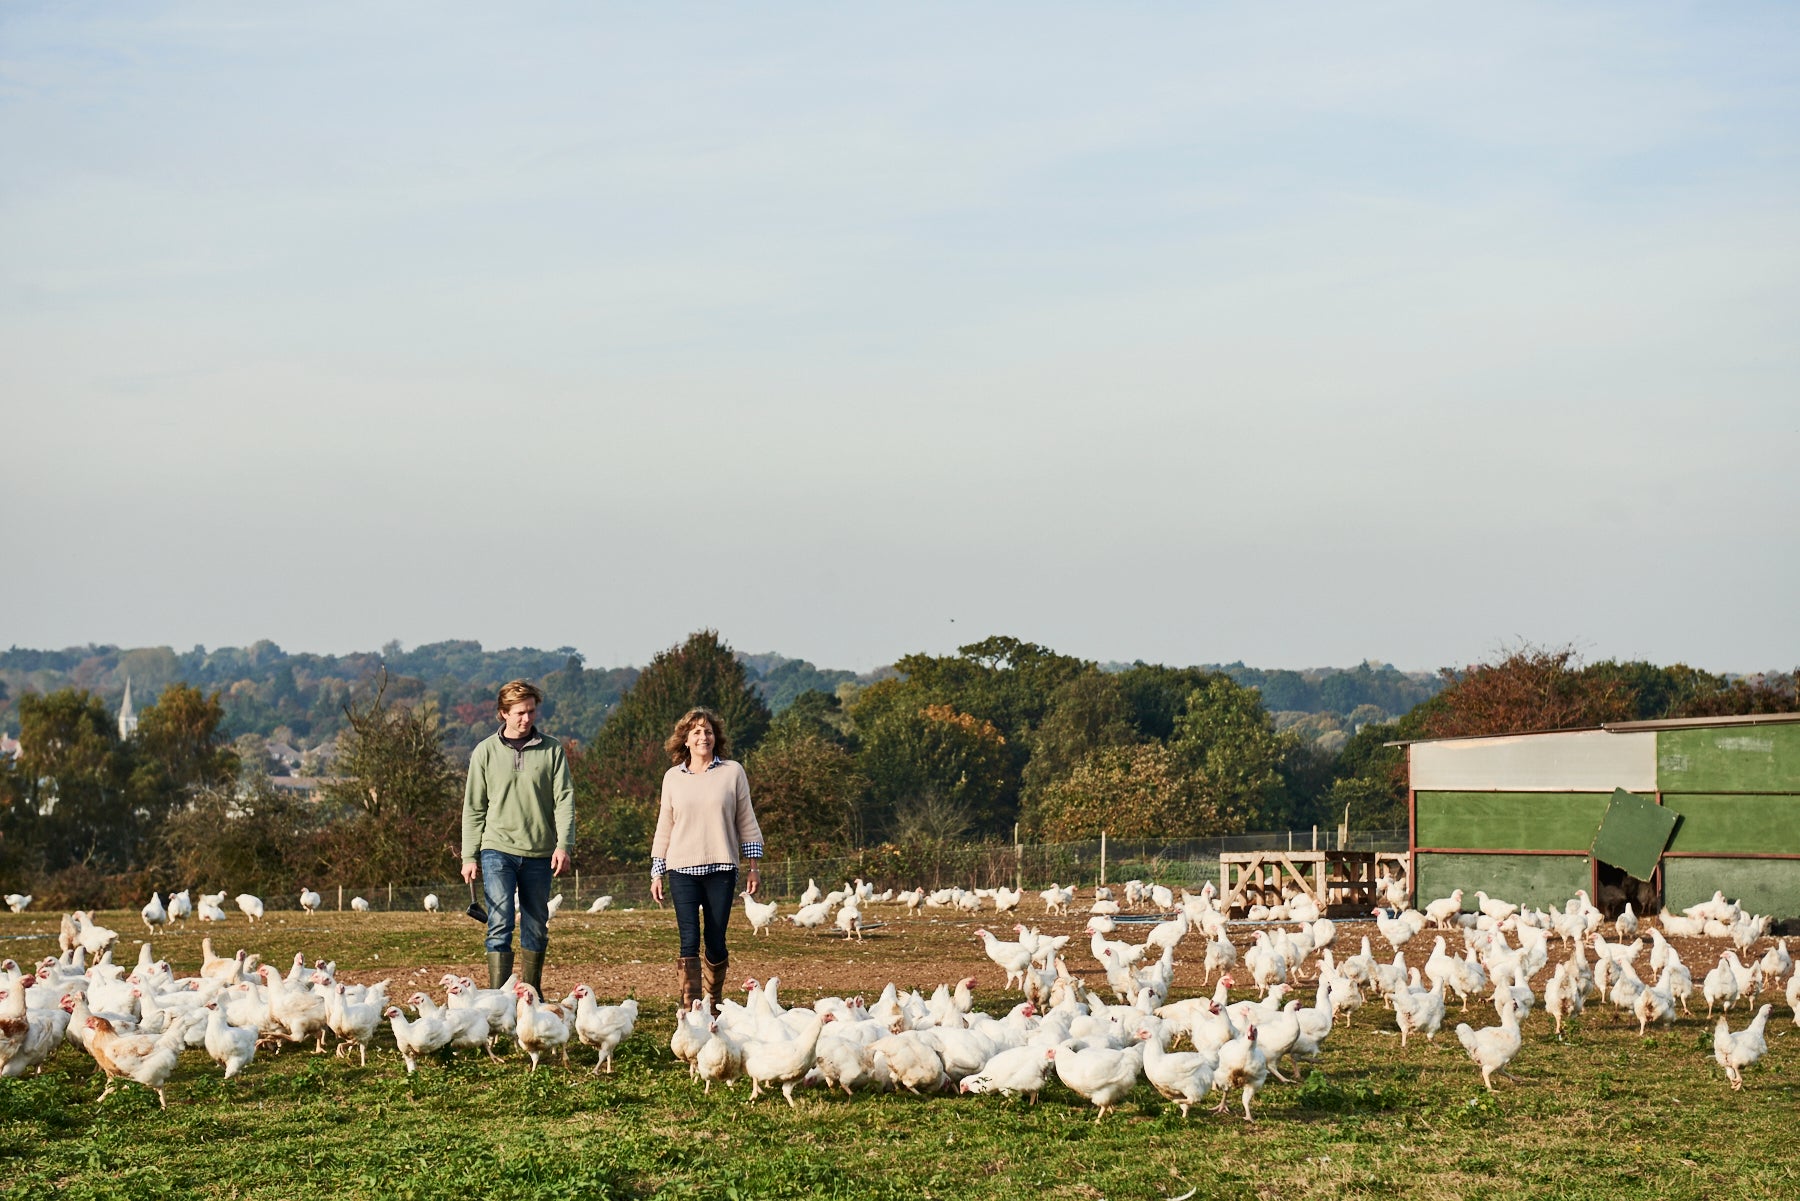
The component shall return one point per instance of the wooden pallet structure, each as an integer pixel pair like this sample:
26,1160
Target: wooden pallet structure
1341,883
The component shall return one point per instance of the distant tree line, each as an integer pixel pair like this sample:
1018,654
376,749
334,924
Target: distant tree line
939,750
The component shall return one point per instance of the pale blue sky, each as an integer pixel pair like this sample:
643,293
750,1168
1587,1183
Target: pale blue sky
1292,333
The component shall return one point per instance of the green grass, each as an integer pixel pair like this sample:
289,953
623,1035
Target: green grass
1602,1115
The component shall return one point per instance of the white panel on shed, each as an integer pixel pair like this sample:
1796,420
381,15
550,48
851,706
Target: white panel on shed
1576,761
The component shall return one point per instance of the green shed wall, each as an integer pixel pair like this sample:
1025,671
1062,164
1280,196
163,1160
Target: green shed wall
1509,821
1746,824
1763,758
1536,880
1761,885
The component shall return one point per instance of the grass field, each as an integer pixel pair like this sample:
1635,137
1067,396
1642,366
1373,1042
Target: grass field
1604,1114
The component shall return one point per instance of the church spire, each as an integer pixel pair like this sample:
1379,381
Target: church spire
128,721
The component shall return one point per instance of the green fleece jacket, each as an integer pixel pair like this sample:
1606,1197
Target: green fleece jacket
520,802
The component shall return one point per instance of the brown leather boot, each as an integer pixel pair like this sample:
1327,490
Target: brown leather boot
687,968
715,981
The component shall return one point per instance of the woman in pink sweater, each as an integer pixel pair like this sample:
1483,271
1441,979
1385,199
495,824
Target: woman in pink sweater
704,829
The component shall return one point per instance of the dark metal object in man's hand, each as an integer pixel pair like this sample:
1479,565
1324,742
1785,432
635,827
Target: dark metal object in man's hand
475,910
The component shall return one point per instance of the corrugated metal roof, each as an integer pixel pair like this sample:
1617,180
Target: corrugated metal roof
1622,727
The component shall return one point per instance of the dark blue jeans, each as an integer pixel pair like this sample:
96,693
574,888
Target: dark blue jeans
693,896
501,876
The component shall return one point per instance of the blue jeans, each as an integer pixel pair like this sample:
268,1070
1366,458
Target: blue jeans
693,896
501,876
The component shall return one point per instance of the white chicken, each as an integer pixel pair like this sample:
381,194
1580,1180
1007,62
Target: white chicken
1655,1003
231,1047
1023,1069
1056,900
539,1029
720,1059
1101,1074
811,917
603,1027
1563,995
1443,910
1493,1047
432,904
180,907
359,905
1720,986
416,1038
154,914
1242,1066
251,905
1011,957
782,1061
691,1033
45,1031
1396,932
310,900
849,920
1418,1011
913,1062
18,902
1183,1078
1735,1052
353,1024
601,904
1498,910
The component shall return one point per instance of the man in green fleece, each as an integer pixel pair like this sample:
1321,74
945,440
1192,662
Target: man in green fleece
518,826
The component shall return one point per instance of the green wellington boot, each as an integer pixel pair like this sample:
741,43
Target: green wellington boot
500,965
531,970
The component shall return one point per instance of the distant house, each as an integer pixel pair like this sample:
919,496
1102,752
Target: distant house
287,756
9,746
302,788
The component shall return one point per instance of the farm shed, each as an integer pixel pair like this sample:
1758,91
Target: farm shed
1518,815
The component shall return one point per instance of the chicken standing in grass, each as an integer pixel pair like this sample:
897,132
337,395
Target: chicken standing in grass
1184,1077
603,1027
1735,1052
1242,1065
416,1038
540,1029
1101,1074
231,1047
783,1061
1493,1047
149,1061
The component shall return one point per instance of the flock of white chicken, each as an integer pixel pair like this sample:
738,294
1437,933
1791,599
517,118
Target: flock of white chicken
1101,1049
136,1023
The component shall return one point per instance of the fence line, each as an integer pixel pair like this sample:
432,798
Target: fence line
1185,863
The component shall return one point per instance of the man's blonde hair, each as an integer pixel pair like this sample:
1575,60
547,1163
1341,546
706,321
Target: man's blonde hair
511,694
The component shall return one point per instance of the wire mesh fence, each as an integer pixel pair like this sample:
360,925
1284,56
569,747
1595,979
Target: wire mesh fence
1185,863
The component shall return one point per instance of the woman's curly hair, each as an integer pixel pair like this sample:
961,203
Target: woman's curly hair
677,743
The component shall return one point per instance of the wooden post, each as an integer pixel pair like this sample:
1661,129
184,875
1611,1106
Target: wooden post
390,896
1103,858
1315,836
578,886
340,898
1018,861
